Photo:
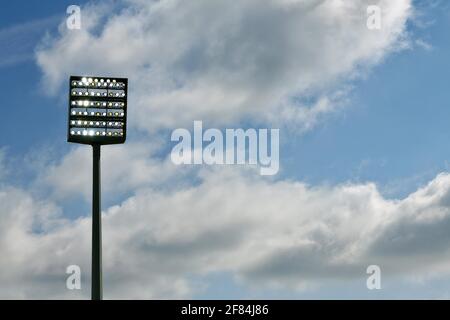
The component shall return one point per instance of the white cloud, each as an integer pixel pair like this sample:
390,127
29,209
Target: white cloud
125,168
424,45
283,234
222,62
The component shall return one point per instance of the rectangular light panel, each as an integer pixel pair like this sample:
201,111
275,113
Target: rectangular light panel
97,110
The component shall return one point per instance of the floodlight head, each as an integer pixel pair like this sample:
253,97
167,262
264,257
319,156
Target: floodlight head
97,110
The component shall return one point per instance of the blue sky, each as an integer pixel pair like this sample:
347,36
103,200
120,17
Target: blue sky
28,104
392,130
396,128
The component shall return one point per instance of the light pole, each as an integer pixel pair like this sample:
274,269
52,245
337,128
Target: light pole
97,116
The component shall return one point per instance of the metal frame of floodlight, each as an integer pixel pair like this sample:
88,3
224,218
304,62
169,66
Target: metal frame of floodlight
97,116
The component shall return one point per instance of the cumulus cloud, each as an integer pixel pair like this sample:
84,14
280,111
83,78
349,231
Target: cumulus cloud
222,62
284,234
126,168
219,62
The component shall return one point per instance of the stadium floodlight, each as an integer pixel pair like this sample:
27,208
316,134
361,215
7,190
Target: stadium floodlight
97,116
97,110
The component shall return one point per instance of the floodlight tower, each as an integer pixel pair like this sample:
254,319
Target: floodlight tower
97,116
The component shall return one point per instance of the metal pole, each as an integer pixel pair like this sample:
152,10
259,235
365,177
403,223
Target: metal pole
97,283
